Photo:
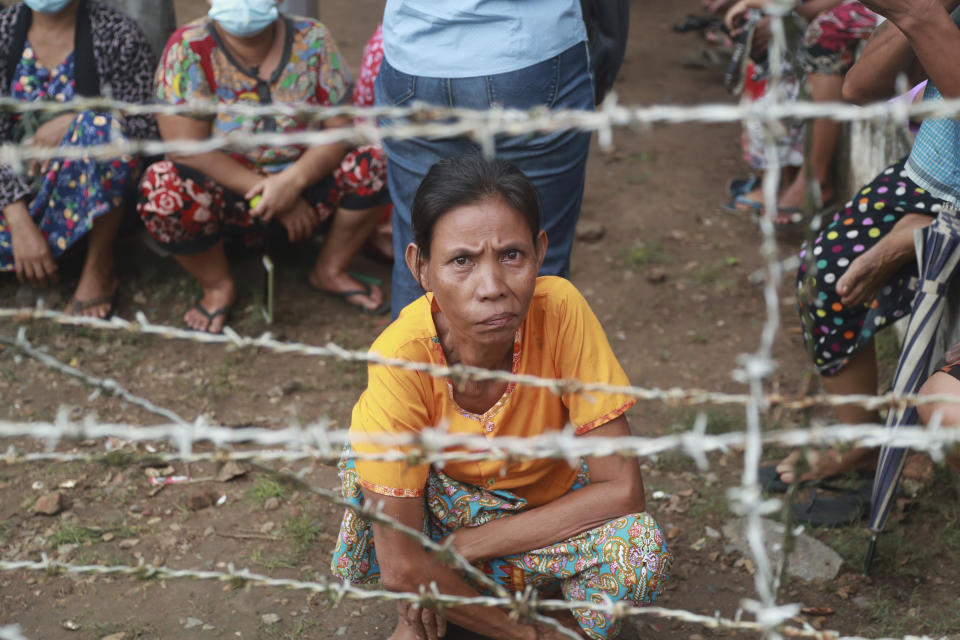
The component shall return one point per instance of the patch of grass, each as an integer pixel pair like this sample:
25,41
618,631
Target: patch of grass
78,534
719,419
73,534
888,612
850,542
710,507
645,253
265,488
302,628
122,459
302,531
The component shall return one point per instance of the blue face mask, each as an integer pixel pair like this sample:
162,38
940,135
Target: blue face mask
244,18
47,6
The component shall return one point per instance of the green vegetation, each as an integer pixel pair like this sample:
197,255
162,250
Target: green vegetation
265,488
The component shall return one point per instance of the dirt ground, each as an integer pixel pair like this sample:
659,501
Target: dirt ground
670,280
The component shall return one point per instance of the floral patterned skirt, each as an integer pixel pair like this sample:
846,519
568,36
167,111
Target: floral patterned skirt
186,212
73,193
625,559
831,40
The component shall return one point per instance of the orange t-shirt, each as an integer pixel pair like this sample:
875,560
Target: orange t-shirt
559,338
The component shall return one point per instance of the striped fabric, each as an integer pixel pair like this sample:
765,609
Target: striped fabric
938,255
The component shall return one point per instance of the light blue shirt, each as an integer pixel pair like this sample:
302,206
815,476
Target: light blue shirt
467,38
934,161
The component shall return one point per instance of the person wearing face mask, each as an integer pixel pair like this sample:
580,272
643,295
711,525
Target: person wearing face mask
244,52
58,50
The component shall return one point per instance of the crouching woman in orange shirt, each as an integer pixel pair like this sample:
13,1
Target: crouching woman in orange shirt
537,523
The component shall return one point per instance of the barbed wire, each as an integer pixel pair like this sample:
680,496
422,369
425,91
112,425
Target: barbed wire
480,125
522,604
437,446
317,442
461,373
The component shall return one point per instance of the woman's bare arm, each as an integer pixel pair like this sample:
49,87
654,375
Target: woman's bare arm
930,33
405,565
615,490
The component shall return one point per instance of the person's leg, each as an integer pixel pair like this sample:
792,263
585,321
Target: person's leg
348,233
355,195
838,332
824,135
555,162
184,210
408,161
84,197
98,280
941,383
212,272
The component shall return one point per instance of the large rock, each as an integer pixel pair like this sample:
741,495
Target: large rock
810,560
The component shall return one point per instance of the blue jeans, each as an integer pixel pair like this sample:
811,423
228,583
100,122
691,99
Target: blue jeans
555,162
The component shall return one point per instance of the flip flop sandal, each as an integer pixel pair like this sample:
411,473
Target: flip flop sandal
770,481
344,297
695,23
210,315
848,507
76,306
742,186
752,206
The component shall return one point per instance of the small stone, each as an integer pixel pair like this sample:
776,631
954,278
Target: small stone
154,520
266,527
135,508
50,504
139,298
590,232
107,537
191,623
656,275
272,504
270,618
208,627
711,532
66,550
199,501
341,631
862,602
209,531
129,543
116,636
70,625
231,470
292,386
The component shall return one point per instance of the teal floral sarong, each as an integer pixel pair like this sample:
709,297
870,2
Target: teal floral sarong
625,559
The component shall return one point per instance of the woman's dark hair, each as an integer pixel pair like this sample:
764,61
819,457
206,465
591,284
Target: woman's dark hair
468,179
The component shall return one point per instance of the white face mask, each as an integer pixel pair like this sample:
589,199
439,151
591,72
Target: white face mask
244,18
47,6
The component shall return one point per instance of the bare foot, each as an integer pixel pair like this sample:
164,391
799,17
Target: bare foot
828,463
94,295
215,304
795,195
368,296
865,275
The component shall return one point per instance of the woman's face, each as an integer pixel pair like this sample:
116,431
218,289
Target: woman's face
482,269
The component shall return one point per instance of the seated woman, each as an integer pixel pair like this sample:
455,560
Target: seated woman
244,52
944,382
58,50
539,523
854,280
